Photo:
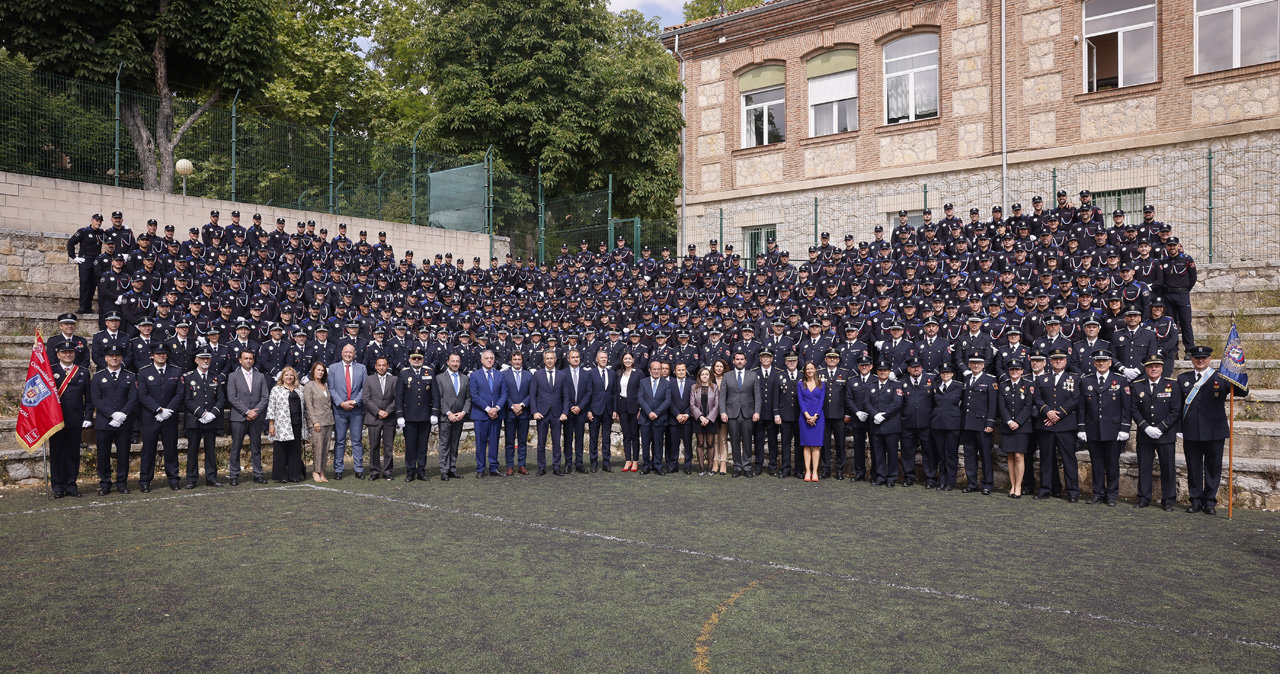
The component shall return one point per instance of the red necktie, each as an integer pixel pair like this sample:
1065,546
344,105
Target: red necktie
348,368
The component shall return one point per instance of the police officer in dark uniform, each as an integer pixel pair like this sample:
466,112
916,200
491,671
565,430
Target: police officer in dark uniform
859,422
160,393
114,400
1103,423
882,403
834,378
89,239
980,409
71,380
1178,277
111,336
765,432
917,418
786,414
945,427
1057,400
1156,410
79,345
204,396
1015,401
1204,427
415,389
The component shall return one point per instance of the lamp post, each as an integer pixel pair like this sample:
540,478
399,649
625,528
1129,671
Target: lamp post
183,168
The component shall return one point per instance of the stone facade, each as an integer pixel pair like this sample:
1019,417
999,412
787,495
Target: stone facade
828,160
758,170
909,148
971,101
1120,118
1246,99
37,260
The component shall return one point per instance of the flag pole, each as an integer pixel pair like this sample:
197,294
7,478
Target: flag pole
1231,454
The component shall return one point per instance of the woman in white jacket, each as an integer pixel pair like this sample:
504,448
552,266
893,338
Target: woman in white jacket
285,428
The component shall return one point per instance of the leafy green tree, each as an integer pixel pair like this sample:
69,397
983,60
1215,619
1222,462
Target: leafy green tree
564,85
201,50
701,9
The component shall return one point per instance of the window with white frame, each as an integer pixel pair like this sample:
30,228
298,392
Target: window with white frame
1119,44
764,106
1236,33
833,92
911,78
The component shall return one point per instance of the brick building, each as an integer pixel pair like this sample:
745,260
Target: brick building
806,115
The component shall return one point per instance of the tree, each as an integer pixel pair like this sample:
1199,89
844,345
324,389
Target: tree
199,50
561,85
701,9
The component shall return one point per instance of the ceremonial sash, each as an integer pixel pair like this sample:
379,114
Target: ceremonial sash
70,373
1186,405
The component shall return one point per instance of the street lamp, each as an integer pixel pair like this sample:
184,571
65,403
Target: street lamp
184,169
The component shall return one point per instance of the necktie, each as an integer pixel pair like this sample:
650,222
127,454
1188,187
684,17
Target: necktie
551,375
604,374
517,379
489,378
739,378
680,387
248,380
348,369
654,388
115,376
456,391
573,374
1101,380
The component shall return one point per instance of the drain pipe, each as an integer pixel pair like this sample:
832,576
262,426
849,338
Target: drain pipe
1004,121
683,135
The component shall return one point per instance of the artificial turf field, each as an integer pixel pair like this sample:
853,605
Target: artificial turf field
622,572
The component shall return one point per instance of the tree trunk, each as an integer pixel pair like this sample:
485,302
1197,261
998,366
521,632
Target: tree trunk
143,143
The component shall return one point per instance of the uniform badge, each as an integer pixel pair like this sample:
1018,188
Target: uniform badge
1142,394
151,377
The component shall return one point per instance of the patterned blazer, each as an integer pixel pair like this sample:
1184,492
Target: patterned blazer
278,411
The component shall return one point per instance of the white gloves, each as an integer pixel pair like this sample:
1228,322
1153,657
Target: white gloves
893,376
880,344
505,367
1153,432
86,424
1179,436
160,416
120,300
879,418
77,260
400,423
1123,436
1131,372
1082,437
119,417
862,416
206,417
114,424
434,420
164,413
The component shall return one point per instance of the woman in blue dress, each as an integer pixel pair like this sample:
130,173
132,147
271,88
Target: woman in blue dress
812,395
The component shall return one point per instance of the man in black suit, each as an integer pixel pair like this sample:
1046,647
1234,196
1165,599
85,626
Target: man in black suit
546,395
766,431
655,407
834,379
917,419
1103,423
979,423
680,431
855,387
1057,400
72,382
786,415
945,428
1156,410
160,393
114,399
1204,428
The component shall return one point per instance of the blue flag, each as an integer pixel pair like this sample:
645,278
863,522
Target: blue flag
1232,367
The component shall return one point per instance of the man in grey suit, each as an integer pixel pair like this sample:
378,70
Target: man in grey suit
247,393
454,401
380,407
740,408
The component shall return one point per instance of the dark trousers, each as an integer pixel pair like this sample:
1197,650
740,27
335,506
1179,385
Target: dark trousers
780,456
575,428
165,434
913,440
740,437
1104,457
1029,464
64,459
206,434
1058,446
115,441
1179,307
1147,454
88,285
447,441
487,438
286,460
630,437
833,454
1204,470
946,450
884,446
239,429
679,435
652,450
382,435
600,440
765,439
517,440
860,469
1043,453
549,426
977,450
417,436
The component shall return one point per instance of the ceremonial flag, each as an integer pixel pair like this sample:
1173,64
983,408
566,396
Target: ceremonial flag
1232,367
39,412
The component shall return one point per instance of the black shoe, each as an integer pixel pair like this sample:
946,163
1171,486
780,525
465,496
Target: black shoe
1096,500
359,475
212,483
145,488
688,470
947,488
1111,503
1073,499
1041,497
542,471
444,477
480,473
969,489
986,492
607,469
234,482
103,491
1210,510
645,471
408,477
493,472
889,484
594,467
839,475
59,494
908,483
1168,507
175,486
337,476
826,474
580,469
749,473
259,480
1142,503
1015,495
191,485
1194,508
557,472
453,475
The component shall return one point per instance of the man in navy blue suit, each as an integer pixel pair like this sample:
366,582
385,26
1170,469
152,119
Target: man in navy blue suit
488,400
515,417
681,429
655,407
604,394
546,395
577,394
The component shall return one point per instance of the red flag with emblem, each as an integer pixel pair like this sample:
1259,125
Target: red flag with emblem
39,412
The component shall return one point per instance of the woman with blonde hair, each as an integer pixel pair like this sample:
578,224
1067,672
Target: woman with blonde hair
704,407
720,459
285,427
319,417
